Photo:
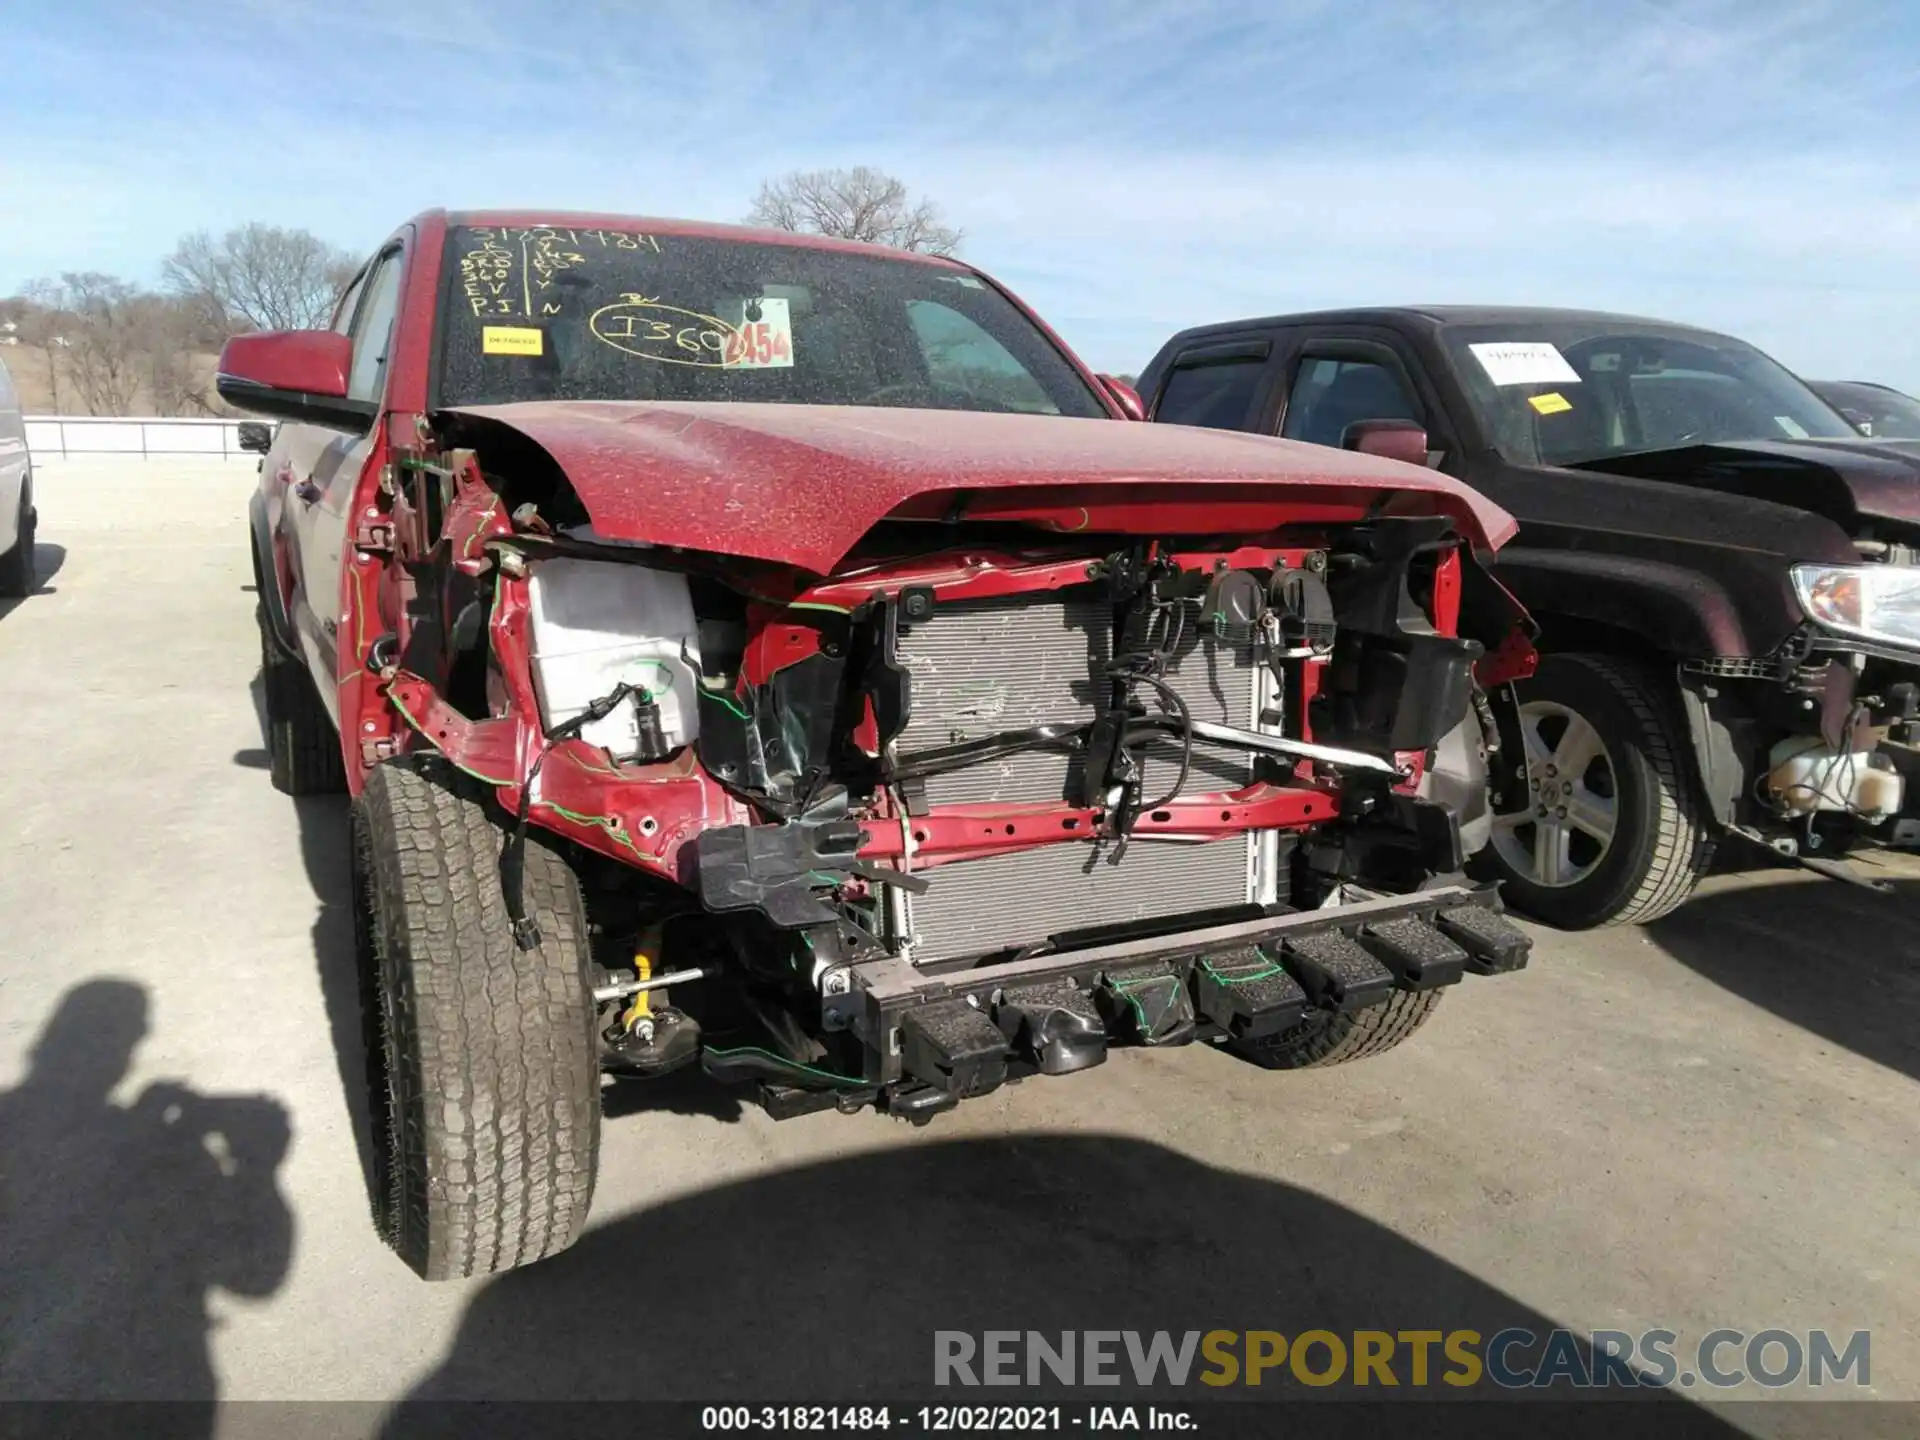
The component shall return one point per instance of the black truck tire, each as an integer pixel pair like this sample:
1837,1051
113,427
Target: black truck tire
303,749
488,1119
1659,844
16,565
1328,1038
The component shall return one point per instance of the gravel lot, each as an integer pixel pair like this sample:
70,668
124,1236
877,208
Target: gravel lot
1705,1123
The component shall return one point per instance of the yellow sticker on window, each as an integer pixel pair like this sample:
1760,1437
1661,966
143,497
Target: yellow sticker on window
511,340
1551,403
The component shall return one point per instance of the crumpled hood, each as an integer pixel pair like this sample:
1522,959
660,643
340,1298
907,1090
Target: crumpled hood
1851,482
801,484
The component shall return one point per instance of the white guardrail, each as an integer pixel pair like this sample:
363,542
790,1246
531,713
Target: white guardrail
63,435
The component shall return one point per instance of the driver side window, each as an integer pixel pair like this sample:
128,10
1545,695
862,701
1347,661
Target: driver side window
373,330
1329,394
959,355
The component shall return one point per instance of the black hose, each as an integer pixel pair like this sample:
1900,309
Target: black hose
513,855
1172,700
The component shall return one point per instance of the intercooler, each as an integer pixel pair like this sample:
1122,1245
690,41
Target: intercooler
979,668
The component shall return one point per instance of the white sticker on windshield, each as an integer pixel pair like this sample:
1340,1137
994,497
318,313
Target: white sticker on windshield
1524,362
1790,427
764,340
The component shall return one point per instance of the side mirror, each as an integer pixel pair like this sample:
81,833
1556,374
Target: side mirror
293,375
256,437
1403,440
1124,395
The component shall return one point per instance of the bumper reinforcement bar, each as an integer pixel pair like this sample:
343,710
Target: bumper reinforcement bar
934,1039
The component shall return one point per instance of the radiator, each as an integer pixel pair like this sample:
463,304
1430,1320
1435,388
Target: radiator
978,668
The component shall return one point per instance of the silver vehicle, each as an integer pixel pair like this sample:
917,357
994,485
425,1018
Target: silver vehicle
16,495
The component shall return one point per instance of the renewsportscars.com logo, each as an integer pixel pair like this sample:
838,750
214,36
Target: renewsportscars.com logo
1512,1358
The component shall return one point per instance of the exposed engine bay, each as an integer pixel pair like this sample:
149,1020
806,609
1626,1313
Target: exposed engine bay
984,798
1828,725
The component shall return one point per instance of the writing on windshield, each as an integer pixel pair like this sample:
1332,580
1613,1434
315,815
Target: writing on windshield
558,313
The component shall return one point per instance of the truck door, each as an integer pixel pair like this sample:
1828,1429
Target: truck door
1335,379
319,468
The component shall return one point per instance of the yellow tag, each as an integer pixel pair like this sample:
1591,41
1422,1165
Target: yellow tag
1551,403
510,340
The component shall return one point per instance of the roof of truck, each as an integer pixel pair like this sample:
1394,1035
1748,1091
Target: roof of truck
1448,315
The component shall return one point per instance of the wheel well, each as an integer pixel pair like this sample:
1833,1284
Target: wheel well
1708,757
1564,634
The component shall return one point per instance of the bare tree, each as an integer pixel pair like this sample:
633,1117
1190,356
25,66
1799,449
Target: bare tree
104,343
856,204
110,348
260,277
43,324
169,335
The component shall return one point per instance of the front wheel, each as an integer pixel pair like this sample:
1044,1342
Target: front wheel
1604,825
487,1114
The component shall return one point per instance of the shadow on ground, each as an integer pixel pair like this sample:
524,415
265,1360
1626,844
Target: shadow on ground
1838,961
118,1219
829,1282
47,560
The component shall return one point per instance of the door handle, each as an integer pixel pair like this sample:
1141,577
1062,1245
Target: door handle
306,491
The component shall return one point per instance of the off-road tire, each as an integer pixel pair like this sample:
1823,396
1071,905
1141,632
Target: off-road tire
488,1066
16,565
303,749
1326,1038
1662,841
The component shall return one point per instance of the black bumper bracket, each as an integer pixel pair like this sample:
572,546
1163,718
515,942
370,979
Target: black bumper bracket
1246,994
1054,1025
1494,944
1420,957
1149,1004
952,1047
1336,973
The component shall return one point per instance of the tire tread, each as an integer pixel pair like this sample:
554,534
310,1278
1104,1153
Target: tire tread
1681,844
1335,1039
493,1072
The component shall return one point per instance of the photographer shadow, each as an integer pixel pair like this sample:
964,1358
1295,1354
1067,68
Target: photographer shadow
120,1219
828,1282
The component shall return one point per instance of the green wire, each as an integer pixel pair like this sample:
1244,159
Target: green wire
827,1075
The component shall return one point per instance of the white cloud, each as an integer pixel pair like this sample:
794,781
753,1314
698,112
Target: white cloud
1123,254
1131,167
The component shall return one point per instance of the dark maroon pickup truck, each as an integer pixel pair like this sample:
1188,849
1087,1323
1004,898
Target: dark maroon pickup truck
782,656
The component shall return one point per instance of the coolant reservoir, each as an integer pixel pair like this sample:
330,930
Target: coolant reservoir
1808,776
596,624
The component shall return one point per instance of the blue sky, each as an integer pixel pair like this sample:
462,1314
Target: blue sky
1130,168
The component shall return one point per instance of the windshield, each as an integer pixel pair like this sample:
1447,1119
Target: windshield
1875,410
576,314
1567,393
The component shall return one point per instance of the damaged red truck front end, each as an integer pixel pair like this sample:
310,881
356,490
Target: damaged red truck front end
875,743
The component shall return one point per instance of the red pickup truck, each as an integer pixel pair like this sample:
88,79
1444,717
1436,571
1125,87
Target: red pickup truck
782,655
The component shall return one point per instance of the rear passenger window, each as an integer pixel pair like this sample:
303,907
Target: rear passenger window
1328,395
1218,396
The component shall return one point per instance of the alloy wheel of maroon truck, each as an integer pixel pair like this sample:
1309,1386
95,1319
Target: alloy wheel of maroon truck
780,656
